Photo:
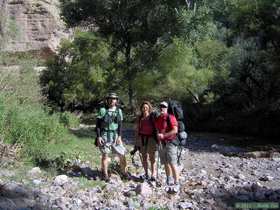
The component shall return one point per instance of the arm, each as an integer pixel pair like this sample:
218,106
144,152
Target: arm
98,127
136,131
174,131
119,130
173,124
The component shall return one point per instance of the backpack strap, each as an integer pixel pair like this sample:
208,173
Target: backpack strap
139,121
168,121
152,120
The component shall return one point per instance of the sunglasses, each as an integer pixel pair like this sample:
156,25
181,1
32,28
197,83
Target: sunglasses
162,107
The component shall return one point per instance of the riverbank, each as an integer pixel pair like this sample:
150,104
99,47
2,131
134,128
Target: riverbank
211,178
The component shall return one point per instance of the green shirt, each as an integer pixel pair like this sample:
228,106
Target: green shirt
112,113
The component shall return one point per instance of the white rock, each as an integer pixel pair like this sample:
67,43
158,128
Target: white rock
7,173
37,181
61,180
14,189
180,168
36,171
143,189
239,176
215,146
203,172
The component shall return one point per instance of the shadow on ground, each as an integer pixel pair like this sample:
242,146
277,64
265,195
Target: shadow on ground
15,196
95,174
261,196
230,145
234,197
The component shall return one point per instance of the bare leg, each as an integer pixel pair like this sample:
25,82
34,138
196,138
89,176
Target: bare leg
167,169
153,164
104,164
123,164
145,162
175,172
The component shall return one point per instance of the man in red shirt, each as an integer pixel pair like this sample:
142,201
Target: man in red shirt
167,134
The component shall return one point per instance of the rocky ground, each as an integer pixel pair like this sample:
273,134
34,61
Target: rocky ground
214,176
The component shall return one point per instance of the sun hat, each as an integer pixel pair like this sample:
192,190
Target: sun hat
112,95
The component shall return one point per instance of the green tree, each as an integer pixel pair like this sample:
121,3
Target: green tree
180,76
134,29
76,76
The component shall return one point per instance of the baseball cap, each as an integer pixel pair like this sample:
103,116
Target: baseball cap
164,103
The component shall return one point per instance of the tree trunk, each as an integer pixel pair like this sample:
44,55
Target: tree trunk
130,95
129,76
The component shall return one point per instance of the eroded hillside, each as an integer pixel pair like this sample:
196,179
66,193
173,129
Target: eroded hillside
30,25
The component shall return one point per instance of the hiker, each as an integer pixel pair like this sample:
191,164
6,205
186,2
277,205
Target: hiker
146,140
108,131
167,135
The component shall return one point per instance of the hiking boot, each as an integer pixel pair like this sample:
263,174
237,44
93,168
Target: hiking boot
172,189
126,176
169,180
167,189
152,179
106,178
176,188
144,177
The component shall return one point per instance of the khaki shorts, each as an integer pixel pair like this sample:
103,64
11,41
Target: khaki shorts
149,147
168,153
109,137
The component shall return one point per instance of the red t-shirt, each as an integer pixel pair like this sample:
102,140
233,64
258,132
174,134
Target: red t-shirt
145,126
162,127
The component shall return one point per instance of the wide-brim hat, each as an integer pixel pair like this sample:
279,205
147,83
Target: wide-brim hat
112,95
119,149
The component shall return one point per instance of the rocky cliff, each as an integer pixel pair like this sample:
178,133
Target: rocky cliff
30,25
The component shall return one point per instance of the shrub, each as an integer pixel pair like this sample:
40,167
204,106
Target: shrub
76,77
23,120
32,127
69,119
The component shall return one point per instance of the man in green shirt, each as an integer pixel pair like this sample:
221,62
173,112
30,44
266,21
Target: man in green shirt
108,130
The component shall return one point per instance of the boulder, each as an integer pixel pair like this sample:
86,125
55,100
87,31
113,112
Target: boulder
143,189
34,172
61,180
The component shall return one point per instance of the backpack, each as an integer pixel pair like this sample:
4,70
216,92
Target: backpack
108,119
114,117
175,108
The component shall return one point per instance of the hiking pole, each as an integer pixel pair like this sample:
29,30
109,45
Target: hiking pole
158,163
179,153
